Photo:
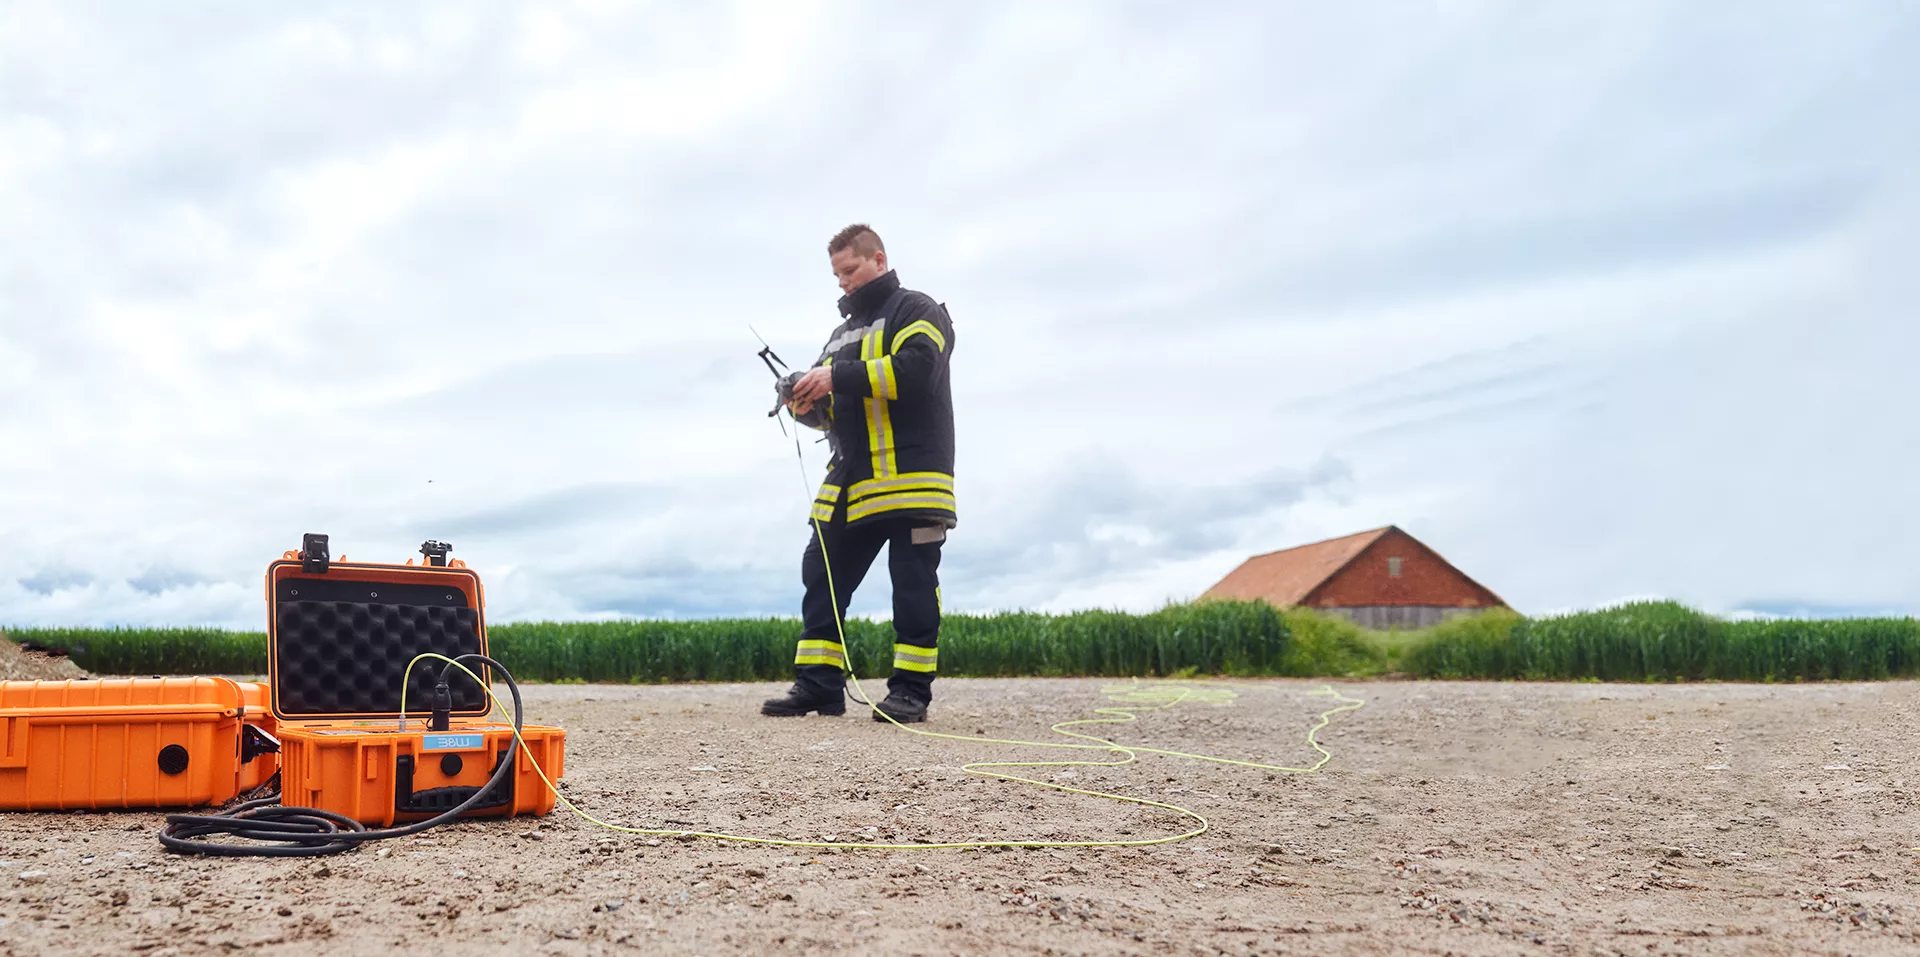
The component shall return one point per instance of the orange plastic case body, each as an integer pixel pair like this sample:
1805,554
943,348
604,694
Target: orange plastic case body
338,644
131,742
380,777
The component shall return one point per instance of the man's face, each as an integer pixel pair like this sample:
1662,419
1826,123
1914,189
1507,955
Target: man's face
854,270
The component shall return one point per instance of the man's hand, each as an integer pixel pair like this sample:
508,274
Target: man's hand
816,383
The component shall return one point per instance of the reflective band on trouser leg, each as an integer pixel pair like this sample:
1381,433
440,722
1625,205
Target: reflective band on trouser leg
915,658
819,651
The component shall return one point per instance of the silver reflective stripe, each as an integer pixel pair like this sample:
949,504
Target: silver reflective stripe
845,339
814,651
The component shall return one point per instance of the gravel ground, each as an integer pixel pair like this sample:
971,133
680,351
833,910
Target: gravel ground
1461,818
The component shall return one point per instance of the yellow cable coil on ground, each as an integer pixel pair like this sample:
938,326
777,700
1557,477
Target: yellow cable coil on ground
1132,700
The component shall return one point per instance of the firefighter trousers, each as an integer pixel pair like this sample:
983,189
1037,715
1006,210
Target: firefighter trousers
913,560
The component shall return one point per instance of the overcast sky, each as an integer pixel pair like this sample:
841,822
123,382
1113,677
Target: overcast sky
1599,300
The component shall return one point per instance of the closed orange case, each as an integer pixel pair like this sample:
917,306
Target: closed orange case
339,638
131,742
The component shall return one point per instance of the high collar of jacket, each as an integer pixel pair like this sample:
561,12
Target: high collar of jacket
861,303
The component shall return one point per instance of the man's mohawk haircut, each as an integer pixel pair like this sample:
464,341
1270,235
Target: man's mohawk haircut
858,237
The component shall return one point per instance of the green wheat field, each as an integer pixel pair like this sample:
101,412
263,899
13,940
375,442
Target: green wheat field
1653,641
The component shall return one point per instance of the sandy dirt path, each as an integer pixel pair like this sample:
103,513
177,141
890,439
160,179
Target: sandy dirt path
1457,818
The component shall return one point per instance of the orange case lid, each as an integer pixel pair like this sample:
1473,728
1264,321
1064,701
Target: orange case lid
338,642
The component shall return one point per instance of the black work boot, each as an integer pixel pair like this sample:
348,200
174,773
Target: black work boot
903,708
802,698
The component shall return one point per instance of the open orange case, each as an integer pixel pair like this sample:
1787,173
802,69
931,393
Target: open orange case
100,743
339,637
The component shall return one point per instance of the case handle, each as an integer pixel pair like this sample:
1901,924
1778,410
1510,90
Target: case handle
313,554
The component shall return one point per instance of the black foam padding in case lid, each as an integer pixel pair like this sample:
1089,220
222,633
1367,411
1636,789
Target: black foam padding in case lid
346,658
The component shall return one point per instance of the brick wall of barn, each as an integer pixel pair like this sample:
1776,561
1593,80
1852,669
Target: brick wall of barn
1398,582
1398,617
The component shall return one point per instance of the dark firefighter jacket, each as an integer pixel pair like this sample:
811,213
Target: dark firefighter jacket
890,418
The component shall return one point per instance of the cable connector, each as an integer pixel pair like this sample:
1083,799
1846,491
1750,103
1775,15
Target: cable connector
442,706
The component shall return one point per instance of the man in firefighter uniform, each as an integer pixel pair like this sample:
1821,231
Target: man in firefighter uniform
881,393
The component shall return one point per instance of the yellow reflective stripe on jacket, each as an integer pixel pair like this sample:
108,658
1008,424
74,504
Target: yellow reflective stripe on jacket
879,421
920,328
824,501
915,658
880,433
904,482
880,378
939,501
828,398
819,651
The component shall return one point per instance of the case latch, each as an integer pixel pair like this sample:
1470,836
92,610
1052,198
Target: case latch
313,554
436,552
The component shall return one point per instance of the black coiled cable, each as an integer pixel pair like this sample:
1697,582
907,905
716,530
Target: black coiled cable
309,831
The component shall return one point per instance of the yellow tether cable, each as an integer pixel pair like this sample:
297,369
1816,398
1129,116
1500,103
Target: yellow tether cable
1136,697
1168,695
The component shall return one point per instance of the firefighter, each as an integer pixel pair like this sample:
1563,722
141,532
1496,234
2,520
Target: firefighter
881,393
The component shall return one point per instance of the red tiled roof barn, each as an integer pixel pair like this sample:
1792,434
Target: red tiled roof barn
1384,578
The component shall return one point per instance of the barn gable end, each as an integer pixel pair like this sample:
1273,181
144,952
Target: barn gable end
1424,578
1384,578
1287,577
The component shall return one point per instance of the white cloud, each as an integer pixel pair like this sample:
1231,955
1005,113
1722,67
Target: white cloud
1598,301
